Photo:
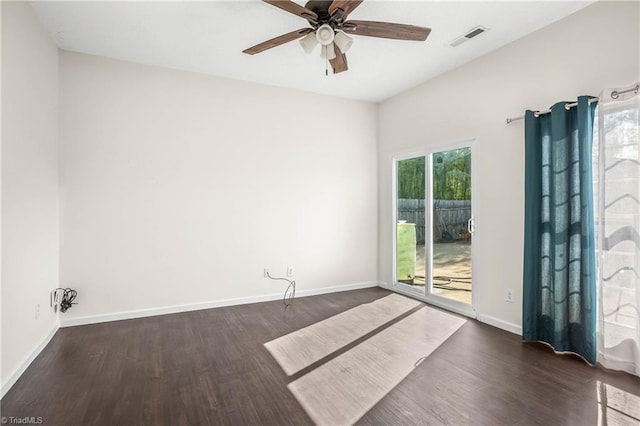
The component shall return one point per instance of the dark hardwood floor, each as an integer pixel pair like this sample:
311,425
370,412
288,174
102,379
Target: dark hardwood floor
210,367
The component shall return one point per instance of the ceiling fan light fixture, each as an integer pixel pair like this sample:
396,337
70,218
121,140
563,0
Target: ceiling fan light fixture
328,52
325,34
343,41
309,42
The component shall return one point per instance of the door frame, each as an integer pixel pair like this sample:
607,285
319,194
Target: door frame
416,292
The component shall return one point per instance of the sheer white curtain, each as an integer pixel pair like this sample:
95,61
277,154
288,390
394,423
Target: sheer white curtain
616,158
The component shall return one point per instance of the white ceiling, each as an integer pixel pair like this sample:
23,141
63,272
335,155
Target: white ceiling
208,37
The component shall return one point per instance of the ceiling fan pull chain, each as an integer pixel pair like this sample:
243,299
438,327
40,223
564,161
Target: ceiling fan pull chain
326,62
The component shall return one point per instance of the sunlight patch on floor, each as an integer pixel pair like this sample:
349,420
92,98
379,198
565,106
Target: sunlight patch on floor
303,347
344,388
617,407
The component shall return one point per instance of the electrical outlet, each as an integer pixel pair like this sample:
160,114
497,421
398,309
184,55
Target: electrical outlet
37,311
508,295
266,272
289,271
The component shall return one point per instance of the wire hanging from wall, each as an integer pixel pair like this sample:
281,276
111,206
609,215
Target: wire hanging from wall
64,297
289,293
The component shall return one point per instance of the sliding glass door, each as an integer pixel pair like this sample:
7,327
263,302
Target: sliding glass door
410,222
434,226
451,225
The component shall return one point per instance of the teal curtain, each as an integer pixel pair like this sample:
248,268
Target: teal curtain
559,288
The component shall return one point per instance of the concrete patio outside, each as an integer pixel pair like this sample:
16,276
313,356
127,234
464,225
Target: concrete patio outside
451,270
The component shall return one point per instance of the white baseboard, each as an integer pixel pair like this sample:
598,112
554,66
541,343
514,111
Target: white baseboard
487,319
455,307
15,375
149,312
497,322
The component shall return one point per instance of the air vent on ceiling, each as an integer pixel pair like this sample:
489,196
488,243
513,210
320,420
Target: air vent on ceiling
473,32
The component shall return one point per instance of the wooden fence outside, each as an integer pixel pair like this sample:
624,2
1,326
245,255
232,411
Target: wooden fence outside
449,218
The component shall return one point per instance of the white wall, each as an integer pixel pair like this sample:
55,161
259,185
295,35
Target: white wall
178,188
595,48
29,186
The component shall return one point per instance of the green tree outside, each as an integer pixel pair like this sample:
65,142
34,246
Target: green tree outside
451,176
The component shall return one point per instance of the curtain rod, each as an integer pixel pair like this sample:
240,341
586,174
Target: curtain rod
614,95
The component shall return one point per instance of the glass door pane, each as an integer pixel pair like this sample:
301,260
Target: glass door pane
452,225
410,222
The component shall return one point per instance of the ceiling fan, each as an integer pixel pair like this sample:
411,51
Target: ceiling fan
330,29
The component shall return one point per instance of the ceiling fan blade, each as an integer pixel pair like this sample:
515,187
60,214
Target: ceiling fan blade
277,41
347,6
294,8
387,30
339,63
